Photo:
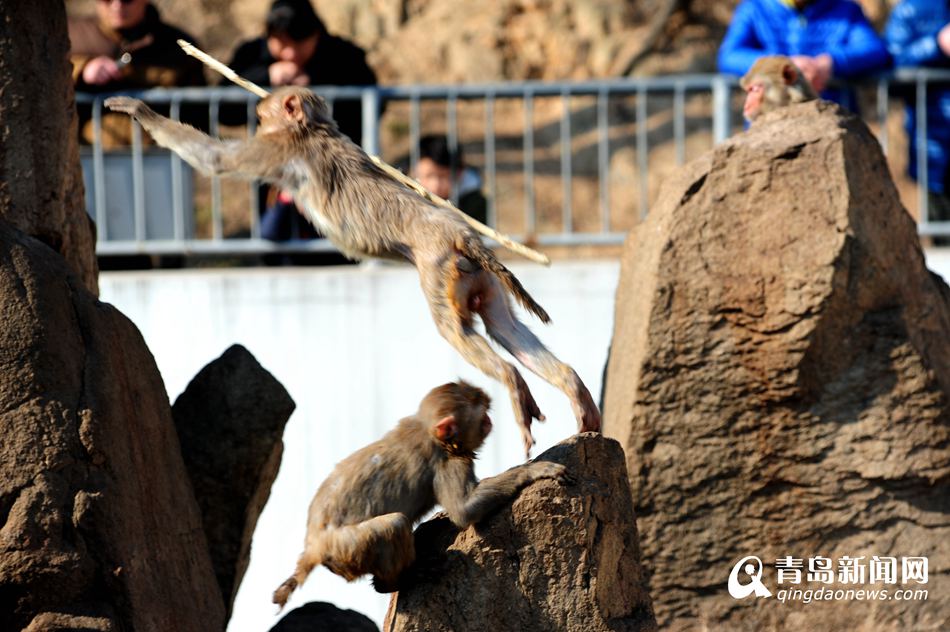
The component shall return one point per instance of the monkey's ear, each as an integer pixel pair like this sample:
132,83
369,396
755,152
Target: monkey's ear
293,108
789,74
446,428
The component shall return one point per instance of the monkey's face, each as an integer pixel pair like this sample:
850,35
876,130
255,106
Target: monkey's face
475,427
270,115
466,406
481,426
486,425
754,96
476,408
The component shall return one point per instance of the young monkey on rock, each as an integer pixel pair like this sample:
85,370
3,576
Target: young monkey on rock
771,83
366,213
361,518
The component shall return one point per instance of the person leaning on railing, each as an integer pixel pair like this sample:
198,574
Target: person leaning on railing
297,50
918,34
126,46
827,39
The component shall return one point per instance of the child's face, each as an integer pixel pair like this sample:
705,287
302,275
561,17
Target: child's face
434,177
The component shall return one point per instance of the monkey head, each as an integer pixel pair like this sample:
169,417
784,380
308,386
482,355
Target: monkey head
458,414
291,109
773,82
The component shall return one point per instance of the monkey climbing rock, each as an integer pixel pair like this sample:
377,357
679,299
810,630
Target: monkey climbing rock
361,517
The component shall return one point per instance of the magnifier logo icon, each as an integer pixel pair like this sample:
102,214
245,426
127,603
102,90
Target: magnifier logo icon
754,571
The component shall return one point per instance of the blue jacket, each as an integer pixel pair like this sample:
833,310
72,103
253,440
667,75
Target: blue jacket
836,27
912,39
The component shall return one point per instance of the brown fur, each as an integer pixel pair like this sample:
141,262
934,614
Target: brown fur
361,518
773,82
365,213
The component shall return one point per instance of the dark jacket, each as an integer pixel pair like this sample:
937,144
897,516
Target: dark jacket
911,34
157,60
336,62
836,27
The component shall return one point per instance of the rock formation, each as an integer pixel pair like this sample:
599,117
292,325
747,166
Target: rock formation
562,556
779,379
41,187
50,622
433,41
99,522
230,421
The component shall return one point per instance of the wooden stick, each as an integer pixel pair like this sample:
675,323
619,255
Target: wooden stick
391,171
488,231
216,65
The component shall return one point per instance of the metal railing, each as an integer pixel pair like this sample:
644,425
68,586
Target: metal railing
716,96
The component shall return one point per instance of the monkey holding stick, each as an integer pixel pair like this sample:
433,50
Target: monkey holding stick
365,213
773,82
361,518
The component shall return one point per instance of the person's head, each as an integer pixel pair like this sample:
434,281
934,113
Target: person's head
293,30
121,14
434,169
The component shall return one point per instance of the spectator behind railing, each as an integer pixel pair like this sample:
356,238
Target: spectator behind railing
298,50
827,39
127,46
434,172
918,34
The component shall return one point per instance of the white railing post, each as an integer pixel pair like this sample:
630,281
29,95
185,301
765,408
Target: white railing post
722,108
370,100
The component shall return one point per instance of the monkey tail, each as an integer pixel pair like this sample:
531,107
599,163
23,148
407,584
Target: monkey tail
471,246
305,564
282,594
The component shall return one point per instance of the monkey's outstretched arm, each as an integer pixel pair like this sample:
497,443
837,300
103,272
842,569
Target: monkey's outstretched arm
467,502
241,159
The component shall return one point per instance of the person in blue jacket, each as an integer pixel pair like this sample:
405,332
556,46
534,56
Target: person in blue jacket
827,39
918,34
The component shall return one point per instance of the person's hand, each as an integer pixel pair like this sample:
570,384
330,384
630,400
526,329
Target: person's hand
943,40
303,79
805,64
824,69
99,71
285,73
816,70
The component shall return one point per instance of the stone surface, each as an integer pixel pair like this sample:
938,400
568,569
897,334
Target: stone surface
318,616
230,420
41,187
97,516
562,556
59,622
779,378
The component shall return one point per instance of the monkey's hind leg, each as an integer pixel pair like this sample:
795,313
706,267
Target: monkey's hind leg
450,296
513,335
381,546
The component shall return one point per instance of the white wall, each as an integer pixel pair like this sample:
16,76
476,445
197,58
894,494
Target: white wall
938,260
356,348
